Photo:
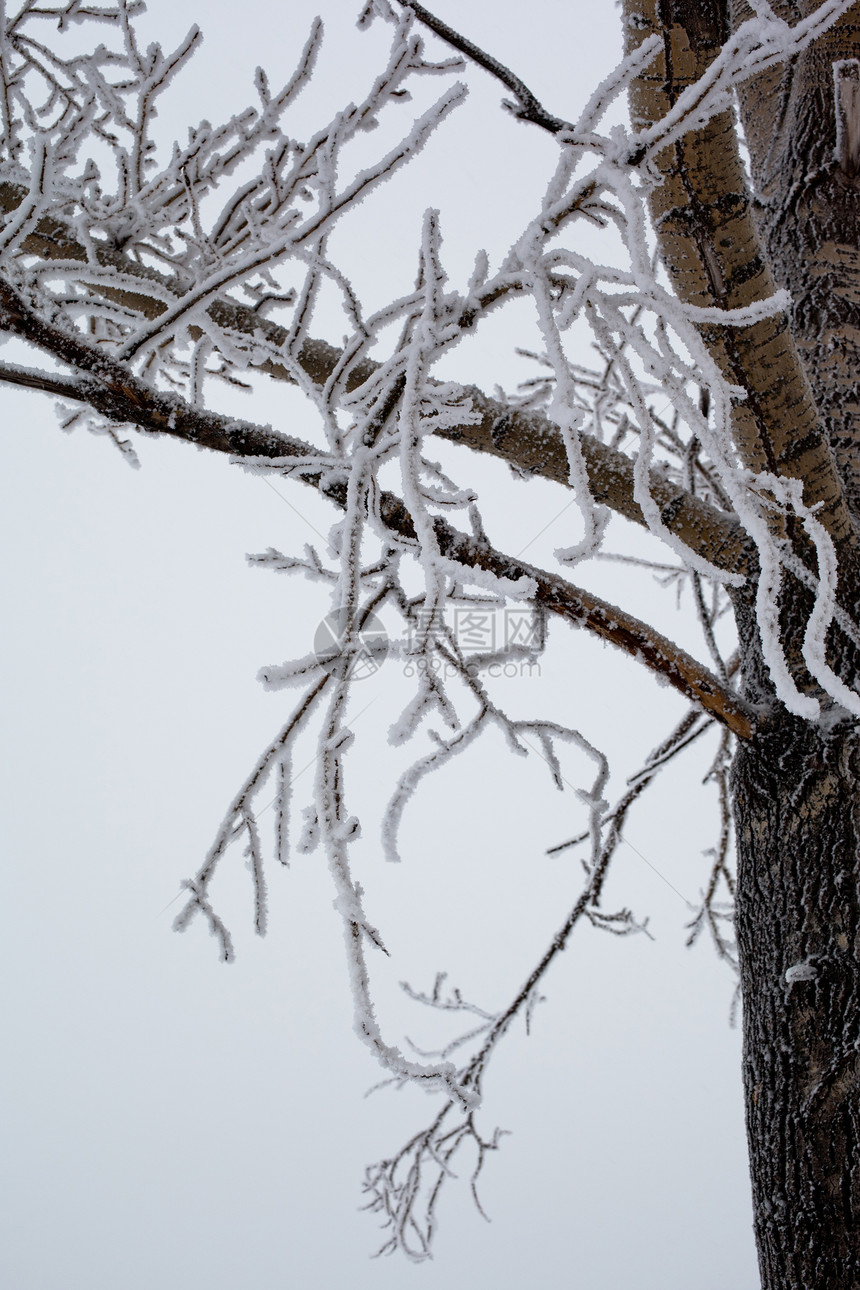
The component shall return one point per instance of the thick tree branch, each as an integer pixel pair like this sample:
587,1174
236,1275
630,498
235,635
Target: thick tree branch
527,440
109,387
800,125
659,654
113,390
530,441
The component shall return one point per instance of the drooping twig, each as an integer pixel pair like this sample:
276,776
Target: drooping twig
111,388
522,436
397,1187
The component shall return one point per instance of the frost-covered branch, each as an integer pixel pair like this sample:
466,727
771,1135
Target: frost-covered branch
110,389
515,431
241,819
526,107
404,1189
146,281
716,912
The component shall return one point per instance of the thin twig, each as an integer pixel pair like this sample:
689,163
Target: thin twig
527,108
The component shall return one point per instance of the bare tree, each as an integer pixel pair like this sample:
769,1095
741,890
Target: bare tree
144,284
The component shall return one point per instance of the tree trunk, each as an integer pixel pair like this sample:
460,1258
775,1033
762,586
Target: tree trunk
796,785
806,178
797,812
796,788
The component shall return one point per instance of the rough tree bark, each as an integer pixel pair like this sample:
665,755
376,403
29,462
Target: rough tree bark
796,785
797,791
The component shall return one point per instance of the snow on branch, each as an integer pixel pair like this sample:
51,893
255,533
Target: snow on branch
516,431
241,819
761,42
145,282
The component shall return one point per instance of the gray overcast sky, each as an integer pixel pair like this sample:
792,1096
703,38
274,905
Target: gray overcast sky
168,1122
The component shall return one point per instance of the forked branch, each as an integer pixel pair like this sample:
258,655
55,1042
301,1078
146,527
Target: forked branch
526,438
702,214
111,388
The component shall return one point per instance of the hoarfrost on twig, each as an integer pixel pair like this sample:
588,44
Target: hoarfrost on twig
168,276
